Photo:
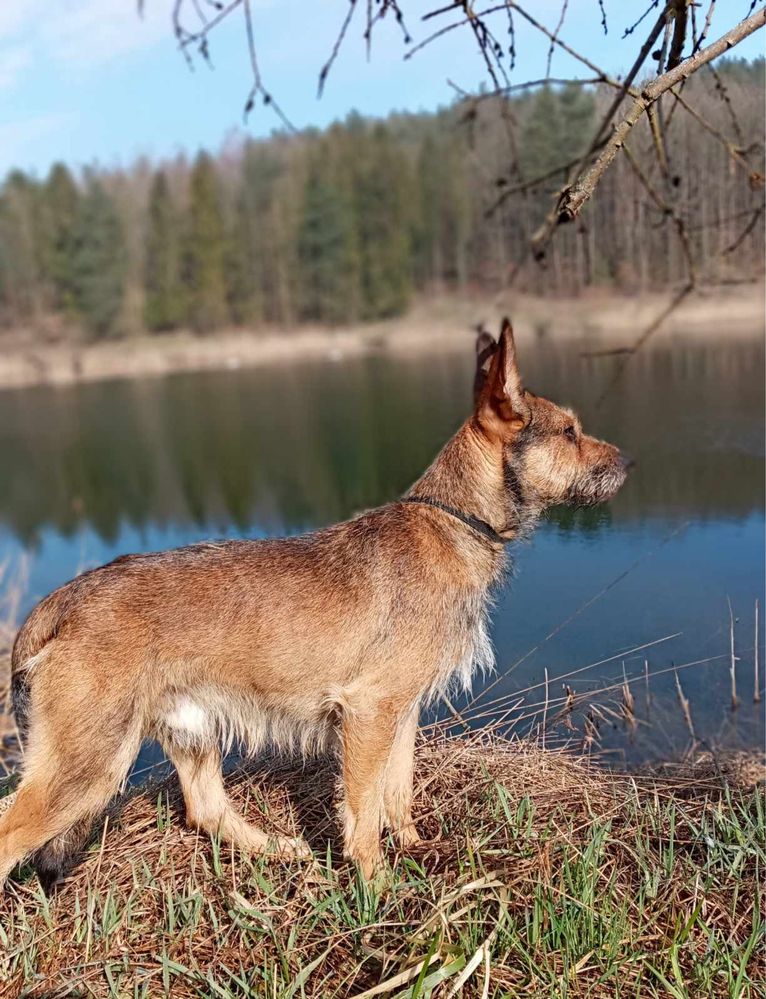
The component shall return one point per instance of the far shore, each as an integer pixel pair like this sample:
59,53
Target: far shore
435,323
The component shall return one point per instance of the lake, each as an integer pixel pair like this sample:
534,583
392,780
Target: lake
96,470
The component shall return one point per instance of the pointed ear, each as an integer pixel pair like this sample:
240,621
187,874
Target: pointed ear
486,346
501,401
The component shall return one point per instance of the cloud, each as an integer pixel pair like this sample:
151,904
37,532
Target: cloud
89,33
13,62
76,36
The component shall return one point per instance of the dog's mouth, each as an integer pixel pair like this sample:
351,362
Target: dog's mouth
602,483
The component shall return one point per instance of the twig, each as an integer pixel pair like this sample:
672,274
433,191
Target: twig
730,148
528,185
323,73
745,232
556,31
628,352
647,12
258,87
668,211
603,16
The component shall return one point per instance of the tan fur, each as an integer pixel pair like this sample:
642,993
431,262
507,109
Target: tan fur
334,638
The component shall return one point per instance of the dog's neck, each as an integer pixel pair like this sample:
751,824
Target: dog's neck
471,475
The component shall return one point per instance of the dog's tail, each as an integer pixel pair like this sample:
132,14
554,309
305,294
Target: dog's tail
39,628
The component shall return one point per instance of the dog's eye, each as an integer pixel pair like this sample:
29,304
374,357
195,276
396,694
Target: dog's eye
571,433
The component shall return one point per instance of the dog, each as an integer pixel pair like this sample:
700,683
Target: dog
336,637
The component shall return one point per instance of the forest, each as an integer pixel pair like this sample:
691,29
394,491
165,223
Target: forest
348,224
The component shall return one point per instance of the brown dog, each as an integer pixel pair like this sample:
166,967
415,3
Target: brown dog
343,632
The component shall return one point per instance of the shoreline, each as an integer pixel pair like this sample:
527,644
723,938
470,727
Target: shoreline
446,322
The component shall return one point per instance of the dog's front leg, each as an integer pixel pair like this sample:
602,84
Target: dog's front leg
398,787
369,732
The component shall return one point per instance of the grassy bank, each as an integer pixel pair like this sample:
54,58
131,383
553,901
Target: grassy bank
434,323
540,875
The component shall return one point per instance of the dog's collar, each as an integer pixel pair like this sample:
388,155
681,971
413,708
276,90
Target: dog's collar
475,523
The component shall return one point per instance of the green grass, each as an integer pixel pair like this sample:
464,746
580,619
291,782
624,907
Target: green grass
541,876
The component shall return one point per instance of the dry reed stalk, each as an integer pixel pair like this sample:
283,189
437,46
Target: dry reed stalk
732,660
682,700
628,703
646,687
756,689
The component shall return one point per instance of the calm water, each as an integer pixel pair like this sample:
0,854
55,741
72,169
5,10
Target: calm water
97,470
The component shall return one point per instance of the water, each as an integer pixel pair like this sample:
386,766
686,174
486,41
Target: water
96,470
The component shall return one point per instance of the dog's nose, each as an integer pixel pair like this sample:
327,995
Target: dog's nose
626,461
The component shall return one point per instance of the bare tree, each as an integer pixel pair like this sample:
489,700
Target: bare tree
668,33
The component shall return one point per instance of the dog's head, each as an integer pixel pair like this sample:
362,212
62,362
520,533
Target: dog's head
548,458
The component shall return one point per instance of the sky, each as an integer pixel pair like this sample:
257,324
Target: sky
94,82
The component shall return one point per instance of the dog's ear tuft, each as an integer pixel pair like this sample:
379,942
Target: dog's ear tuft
512,383
501,400
486,345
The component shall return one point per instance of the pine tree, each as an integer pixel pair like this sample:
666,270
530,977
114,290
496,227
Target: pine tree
22,288
164,305
576,107
384,228
540,146
204,251
440,243
244,256
327,253
98,261
61,197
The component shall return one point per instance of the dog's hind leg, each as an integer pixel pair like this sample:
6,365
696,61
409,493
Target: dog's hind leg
208,807
398,789
59,855
74,763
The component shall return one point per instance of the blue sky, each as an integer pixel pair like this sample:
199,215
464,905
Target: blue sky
89,81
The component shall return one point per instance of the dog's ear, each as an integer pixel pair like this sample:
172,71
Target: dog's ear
501,404
486,346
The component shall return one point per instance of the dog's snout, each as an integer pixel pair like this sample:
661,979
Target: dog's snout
626,461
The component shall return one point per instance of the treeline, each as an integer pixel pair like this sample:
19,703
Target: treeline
346,224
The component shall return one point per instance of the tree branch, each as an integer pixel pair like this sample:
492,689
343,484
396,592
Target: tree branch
572,201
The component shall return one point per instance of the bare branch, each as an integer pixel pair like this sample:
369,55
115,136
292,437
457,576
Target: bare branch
573,200
680,21
756,179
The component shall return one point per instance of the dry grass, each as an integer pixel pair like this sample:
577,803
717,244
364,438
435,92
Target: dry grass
540,875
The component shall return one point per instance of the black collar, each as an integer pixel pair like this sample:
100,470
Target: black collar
476,523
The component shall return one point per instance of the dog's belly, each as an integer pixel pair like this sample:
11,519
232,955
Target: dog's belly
209,716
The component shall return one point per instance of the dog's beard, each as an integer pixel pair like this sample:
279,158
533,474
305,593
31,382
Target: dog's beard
599,485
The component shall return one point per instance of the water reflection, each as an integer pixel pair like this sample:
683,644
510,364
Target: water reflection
283,448
96,470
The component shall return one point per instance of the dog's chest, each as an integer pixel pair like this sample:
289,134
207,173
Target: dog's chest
465,645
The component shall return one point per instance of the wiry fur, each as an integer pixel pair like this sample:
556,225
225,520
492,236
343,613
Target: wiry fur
331,639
